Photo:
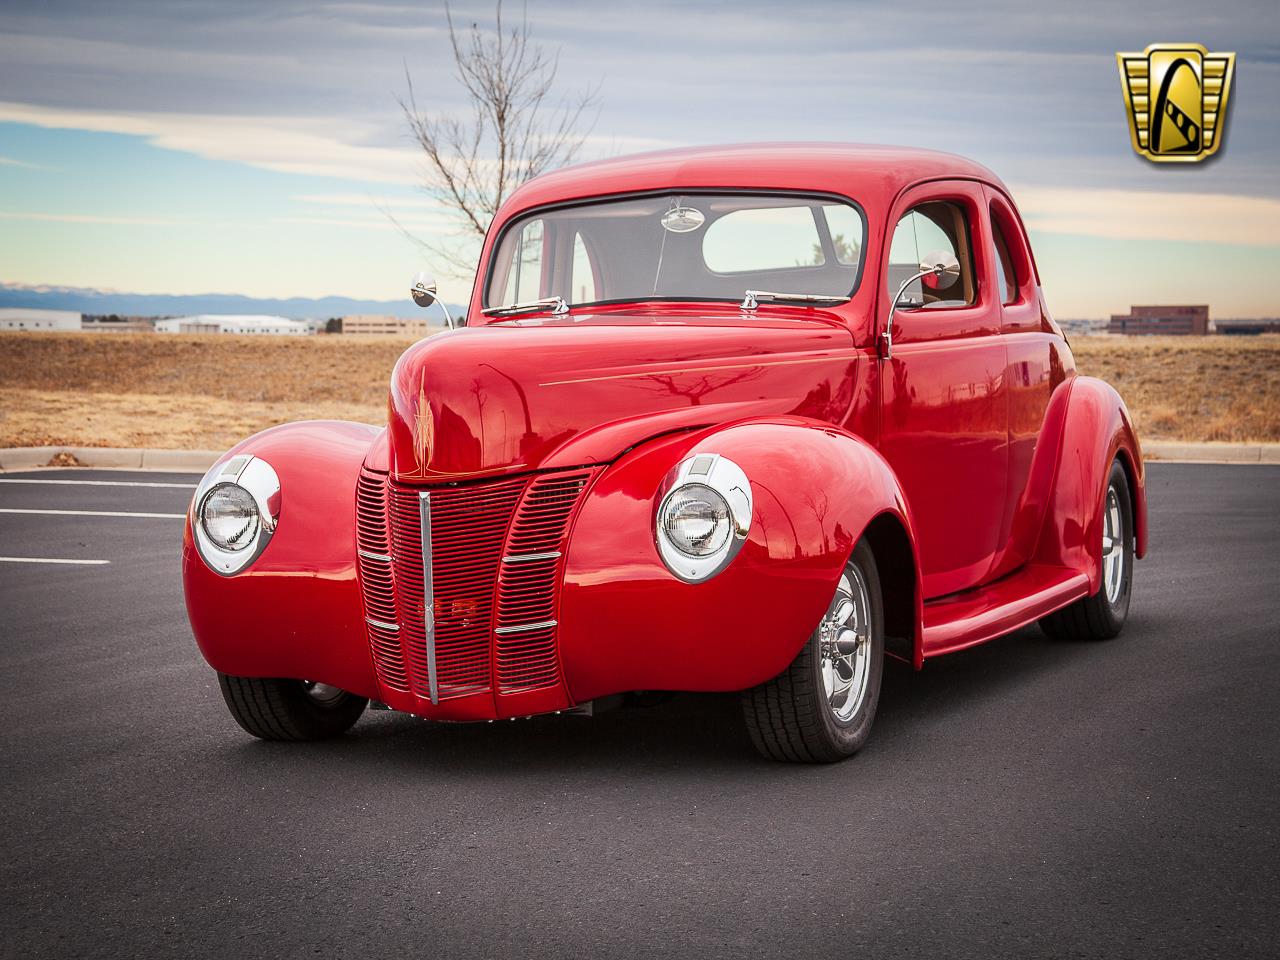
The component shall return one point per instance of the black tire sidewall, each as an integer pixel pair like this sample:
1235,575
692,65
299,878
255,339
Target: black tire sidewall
282,709
1117,612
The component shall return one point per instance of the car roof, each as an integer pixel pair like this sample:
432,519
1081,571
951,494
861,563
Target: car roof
870,174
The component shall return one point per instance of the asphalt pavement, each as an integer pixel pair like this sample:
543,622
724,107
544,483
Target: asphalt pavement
1024,799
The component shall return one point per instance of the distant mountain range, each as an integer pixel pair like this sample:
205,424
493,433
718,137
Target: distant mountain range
89,300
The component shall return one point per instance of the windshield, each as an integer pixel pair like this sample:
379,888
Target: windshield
678,247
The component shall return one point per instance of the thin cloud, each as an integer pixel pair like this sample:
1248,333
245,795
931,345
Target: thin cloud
89,218
366,200
352,222
298,145
1150,215
11,162
414,216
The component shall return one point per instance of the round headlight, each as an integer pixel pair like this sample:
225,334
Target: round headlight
229,516
696,520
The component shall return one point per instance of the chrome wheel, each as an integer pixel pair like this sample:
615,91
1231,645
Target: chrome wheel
1113,547
820,708
322,693
844,644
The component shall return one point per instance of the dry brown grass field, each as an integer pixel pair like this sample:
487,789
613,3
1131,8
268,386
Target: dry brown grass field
203,392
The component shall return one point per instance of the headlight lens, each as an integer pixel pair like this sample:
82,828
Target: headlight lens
235,513
696,520
230,517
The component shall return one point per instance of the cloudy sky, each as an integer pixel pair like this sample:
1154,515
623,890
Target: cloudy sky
196,146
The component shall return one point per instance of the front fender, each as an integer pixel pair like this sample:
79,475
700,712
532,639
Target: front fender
295,611
626,623
1096,429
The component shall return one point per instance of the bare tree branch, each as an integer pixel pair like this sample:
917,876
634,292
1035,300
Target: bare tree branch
512,131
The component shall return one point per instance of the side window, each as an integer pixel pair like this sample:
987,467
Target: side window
524,277
930,227
583,282
1006,276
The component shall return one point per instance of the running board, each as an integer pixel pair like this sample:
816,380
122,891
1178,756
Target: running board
962,620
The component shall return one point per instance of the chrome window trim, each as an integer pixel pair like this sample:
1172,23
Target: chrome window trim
727,479
256,476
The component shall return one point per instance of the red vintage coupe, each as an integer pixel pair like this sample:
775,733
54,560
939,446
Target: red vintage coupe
742,418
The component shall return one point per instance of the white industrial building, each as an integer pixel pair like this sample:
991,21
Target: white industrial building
234,323
41,321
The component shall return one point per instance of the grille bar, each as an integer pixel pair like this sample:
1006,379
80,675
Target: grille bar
428,594
524,627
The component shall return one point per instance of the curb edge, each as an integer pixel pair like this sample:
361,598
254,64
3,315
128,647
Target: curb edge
198,461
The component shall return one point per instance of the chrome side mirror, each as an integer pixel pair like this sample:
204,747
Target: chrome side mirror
425,292
943,266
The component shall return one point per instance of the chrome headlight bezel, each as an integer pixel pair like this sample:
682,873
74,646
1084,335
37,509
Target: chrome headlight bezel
725,478
256,477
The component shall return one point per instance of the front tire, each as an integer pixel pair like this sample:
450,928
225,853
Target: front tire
274,709
1102,616
820,709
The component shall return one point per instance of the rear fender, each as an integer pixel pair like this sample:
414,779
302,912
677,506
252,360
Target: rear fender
296,611
627,623
1096,430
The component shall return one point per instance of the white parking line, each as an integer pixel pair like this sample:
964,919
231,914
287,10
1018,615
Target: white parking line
100,483
85,563
97,513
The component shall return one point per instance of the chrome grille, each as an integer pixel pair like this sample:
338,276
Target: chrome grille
495,560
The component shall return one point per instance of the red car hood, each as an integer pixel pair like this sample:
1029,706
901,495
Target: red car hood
553,392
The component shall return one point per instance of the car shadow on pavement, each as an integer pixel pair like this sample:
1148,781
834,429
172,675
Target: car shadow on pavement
692,732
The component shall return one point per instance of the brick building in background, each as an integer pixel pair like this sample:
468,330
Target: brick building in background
1178,321
388,326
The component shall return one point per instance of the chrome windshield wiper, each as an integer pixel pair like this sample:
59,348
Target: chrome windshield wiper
556,305
754,298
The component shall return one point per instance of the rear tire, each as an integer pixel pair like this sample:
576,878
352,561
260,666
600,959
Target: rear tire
1102,616
820,709
290,709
